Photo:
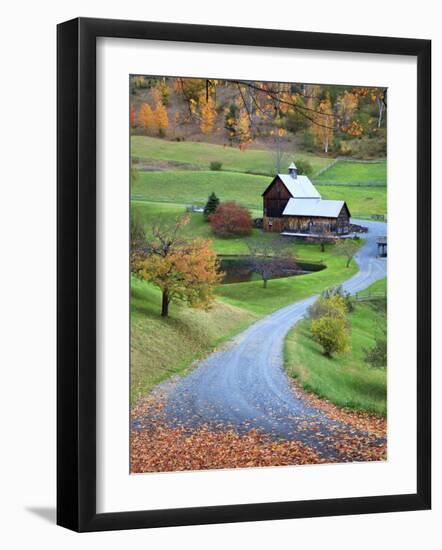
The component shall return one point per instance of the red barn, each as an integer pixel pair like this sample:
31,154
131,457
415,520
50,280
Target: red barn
292,204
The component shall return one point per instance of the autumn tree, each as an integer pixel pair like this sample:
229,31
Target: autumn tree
321,110
268,258
331,333
133,117
146,117
208,114
184,270
347,104
155,95
165,93
378,96
161,118
231,219
137,240
231,121
347,248
328,306
323,124
211,205
343,294
329,325
243,132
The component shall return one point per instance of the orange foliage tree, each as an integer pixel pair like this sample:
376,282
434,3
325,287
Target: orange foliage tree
133,117
347,105
231,219
208,114
146,117
184,270
243,130
161,118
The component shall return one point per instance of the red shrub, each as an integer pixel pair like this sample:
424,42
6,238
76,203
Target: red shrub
231,219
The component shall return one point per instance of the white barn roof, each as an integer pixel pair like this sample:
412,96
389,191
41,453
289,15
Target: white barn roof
300,187
313,208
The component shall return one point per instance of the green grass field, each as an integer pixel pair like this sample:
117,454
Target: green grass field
202,154
162,347
345,380
363,202
377,288
189,187
356,173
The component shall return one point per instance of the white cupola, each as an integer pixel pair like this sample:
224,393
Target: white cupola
293,171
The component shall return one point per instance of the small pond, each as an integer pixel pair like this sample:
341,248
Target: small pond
240,269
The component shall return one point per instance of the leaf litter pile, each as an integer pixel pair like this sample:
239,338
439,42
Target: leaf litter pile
161,448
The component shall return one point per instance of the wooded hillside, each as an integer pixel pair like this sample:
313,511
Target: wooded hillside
326,120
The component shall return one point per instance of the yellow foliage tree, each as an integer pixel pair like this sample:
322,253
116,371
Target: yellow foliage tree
243,130
347,105
161,118
146,117
208,114
331,333
323,124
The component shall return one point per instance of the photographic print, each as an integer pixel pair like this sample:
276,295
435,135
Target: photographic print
258,261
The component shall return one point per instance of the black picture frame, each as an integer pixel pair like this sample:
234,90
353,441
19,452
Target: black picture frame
76,274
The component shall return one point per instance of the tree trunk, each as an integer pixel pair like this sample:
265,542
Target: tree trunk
165,304
348,261
264,283
322,247
381,111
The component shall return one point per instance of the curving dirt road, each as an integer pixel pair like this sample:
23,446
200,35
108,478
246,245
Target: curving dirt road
244,385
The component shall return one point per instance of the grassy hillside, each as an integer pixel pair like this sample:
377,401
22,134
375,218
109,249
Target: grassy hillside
356,173
163,347
202,154
345,380
190,187
194,187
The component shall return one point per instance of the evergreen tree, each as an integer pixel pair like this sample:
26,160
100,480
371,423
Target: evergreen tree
211,205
